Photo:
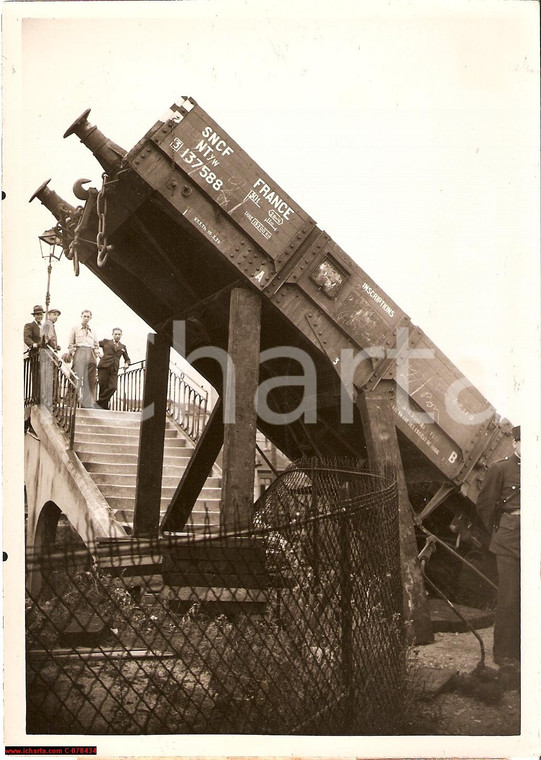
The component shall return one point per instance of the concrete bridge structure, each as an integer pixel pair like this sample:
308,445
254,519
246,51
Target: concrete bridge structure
88,475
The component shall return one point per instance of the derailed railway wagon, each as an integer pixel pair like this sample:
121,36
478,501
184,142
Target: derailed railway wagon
186,217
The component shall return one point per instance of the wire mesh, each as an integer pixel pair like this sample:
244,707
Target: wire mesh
293,627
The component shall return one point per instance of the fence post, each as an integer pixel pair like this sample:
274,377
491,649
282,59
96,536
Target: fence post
346,619
313,529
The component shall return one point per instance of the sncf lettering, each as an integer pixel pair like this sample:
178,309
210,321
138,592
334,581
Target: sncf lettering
215,141
272,197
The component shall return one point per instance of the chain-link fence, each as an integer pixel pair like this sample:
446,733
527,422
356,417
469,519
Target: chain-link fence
292,628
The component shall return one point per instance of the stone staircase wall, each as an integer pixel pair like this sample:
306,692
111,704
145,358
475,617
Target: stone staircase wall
107,444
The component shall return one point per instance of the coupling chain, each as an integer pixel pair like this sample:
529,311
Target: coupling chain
101,208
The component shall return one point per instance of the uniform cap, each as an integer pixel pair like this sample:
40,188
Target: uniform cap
516,432
57,311
38,309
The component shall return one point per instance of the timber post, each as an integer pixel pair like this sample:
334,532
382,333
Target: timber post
148,489
241,381
197,471
382,447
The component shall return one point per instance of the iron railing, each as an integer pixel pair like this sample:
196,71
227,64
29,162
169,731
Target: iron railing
130,388
49,381
187,403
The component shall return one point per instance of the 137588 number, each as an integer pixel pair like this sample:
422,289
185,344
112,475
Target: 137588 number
193,160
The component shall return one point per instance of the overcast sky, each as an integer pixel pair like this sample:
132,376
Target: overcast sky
408,131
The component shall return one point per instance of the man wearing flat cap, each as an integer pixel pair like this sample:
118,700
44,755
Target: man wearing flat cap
48,331
32,330
49,342
498,506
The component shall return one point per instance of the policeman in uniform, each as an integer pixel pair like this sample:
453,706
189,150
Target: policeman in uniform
498,506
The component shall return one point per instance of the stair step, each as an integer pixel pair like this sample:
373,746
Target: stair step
171,449
94,423
171,465
92,418
107,414
128,502
198,519
104,433
118,467
118,477
127,491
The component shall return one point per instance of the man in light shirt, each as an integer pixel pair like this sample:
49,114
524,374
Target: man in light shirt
84,348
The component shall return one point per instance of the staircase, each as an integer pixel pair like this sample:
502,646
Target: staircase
107,444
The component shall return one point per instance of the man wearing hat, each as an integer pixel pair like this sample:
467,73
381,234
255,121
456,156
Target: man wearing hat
48,331
498,506
32,330
32,340
48,374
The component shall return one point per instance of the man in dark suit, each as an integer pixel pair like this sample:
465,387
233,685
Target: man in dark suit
113,350
32,341
498,505
32,330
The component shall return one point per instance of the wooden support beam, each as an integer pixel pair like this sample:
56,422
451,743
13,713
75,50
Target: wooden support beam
148,489
382,447
237,502
198,470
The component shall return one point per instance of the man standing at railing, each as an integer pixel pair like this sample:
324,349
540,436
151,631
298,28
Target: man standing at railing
32,339
84,348
32,330
48,330
108,366
48,342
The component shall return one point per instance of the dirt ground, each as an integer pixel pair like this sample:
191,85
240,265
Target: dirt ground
453,712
